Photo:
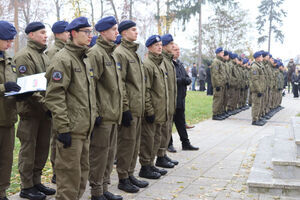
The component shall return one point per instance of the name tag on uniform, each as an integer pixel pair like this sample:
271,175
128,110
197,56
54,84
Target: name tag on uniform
131,61
108,64
77,70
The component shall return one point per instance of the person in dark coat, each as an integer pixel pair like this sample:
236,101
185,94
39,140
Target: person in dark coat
194,76
202,78
183,80
295,83
208,80
291,69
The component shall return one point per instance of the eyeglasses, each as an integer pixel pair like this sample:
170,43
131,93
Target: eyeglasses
87,32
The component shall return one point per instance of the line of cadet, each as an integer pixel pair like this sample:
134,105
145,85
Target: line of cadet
101,103
239,83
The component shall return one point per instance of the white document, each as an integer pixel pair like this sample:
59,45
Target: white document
32,83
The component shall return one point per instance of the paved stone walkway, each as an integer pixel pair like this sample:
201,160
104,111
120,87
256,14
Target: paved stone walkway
219,170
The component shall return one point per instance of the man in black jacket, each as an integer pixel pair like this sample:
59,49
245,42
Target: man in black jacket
179,118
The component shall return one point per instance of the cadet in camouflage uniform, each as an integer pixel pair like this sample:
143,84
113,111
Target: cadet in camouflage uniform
233,84
257,88
8,112
133,80
71,98
108,81
162,159
219,83
61,37
34,128
156,109
227,85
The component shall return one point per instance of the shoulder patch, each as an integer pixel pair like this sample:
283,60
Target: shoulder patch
22,69
14,68
57,75
119,66
92,73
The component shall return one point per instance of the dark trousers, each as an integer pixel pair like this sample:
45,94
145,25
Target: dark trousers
296,90
209,90
179,120
202,85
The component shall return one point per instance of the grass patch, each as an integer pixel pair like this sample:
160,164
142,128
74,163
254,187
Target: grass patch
198,108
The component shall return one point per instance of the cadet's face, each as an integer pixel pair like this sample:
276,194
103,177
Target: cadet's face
83,36
156,48
39,36
63,36
226,57
259,59
169,47
130,34
176,52
110,34
5,44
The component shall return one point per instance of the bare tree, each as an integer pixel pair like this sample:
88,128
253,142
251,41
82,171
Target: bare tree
58,6
114,9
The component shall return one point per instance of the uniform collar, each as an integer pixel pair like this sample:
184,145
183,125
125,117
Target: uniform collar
157,59
36,46
129,45
169,56
59,43
79,51
109,47
219,58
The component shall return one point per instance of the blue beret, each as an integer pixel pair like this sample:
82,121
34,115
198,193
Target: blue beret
34,26
105,23
124,25
118,40
152,40
245,60
93,41
166,39
257,54
7,31
264,53
226,53
232,55
218,50
78,23
59,26
270,55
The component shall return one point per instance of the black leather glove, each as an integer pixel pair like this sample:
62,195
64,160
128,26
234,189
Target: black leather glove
65,138
98,121
24,96
259,94
279,89
187,81
11,86
126,118
218,89
150,119
49,113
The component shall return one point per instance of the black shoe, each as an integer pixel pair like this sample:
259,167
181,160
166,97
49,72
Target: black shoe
53,179
161,171
32,194
102,197
257,123
189,147
229,112
115,162
3,198
146,172
175,162
110,196
171,149
138,183
217,117
163,162
267,116
127,186
46,190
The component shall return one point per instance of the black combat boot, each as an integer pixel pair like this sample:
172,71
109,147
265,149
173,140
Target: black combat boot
102,197
175,162
217,117
46,190
32,194
127,186
171,149
53,179
163,162
161,171
257,123
110,196
3,198
138,183
189,147
146,172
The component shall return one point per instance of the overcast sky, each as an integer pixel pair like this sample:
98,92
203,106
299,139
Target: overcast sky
291,28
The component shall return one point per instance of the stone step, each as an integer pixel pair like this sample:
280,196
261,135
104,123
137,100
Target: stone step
261,178
295,126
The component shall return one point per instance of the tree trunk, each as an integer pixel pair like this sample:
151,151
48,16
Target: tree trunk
16,21
158,17
57,6
130,9
200,35
270,27
115,11
92,13
168,17
101,1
